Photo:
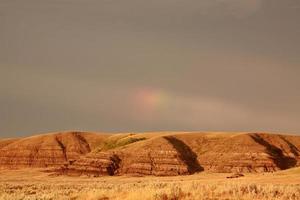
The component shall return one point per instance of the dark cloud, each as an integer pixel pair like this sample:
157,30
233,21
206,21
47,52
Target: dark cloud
201,65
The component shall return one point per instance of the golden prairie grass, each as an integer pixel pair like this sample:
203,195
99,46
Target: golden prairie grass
155,191
194,190
37,185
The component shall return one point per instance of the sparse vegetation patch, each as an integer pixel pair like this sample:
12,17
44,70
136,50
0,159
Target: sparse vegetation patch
115,142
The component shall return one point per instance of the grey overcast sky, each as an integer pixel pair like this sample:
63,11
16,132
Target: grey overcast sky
136,65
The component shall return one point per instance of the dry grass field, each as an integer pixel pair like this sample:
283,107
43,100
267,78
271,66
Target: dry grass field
69,166
34,184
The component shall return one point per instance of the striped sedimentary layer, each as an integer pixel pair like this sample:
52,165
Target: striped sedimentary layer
167,154
95,164
43,151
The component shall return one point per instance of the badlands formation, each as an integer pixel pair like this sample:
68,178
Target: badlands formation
153,153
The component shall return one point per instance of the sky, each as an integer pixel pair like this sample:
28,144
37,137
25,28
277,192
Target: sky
155,65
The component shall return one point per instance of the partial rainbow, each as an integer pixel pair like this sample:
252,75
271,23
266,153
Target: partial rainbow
149,99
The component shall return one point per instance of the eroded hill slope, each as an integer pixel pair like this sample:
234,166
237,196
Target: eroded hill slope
162,154
47,150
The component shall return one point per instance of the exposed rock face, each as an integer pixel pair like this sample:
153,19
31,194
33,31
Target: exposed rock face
166,156
159,154
158,158
245,152
238,162
95,164
157,162
44,150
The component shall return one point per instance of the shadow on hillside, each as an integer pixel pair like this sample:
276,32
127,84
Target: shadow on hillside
293,148
82,141
186,154
276,154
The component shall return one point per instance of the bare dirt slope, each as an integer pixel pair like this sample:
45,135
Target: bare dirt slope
47,150
157,153
5,142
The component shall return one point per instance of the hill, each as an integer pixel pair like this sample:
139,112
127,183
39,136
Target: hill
156,153
47,150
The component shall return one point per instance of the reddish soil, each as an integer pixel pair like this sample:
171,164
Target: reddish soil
160,154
